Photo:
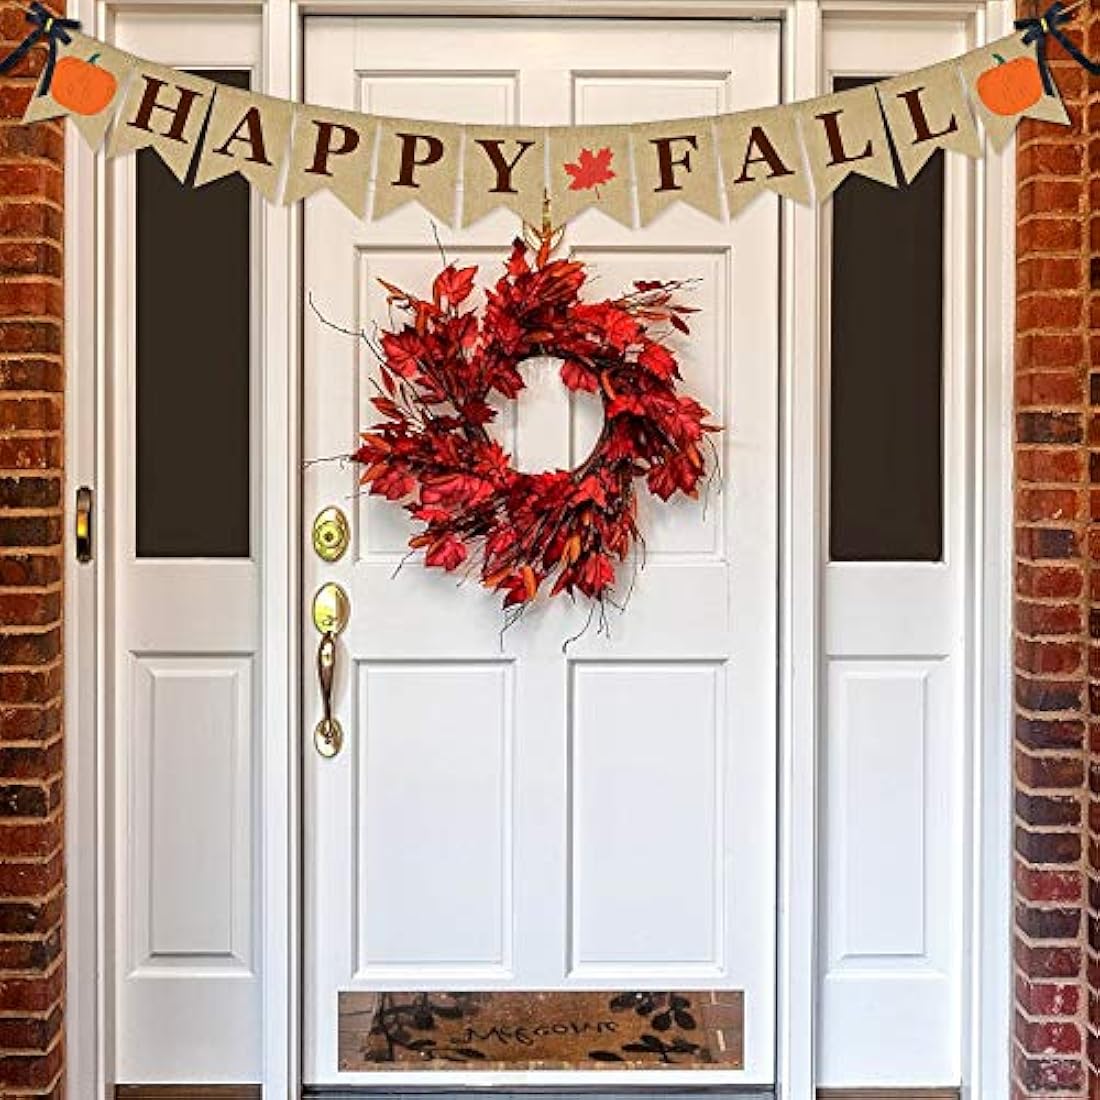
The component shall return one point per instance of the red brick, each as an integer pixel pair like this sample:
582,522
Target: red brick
1040,505
1049,312
1048,1036
1048,388
1041,620
1049,581
1049,772
1047,998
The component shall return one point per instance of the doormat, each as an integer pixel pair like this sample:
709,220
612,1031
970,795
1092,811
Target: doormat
549,1030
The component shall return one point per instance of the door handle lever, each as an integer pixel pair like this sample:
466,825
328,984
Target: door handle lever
330,615
328,736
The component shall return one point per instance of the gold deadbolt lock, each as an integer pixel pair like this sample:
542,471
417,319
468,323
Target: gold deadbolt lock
331,534
330,615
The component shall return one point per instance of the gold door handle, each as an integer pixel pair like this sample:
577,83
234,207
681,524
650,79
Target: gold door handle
328,736
330,615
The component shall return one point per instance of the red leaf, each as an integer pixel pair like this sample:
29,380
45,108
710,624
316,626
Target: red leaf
403,350
679,323
453,285
448,553
590,170
578,377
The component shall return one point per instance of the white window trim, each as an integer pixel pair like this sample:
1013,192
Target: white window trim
986,1064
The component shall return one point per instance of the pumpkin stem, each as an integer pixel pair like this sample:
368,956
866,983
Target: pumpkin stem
94,58
998,58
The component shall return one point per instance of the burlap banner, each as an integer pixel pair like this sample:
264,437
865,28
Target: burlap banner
459,174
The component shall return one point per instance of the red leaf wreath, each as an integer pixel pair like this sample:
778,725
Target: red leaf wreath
432,453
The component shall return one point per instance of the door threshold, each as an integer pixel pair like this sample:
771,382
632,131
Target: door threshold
445,1092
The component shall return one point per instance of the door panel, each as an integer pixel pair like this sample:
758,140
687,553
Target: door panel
892,906
505,815
183,682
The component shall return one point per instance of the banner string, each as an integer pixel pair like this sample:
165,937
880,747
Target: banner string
51,27
1049,25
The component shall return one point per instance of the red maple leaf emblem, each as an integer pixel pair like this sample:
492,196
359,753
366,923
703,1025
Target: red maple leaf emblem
590,170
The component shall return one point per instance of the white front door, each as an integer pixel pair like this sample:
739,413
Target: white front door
505,815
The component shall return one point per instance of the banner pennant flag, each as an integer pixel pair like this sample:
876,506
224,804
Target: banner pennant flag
462,172
844,133
1005,83
590,167
928,110
249,134
417,162
760,151
331,150
676,161
87,85
503,166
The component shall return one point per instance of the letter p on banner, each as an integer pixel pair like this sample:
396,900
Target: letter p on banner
331,151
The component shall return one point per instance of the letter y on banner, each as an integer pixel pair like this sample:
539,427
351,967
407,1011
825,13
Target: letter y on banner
163,110
503,166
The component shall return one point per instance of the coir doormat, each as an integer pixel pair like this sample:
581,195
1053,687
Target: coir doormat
548,1030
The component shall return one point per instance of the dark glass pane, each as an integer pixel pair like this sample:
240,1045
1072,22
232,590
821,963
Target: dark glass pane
886,471
192,362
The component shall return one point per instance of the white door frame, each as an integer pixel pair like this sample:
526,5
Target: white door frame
986,1069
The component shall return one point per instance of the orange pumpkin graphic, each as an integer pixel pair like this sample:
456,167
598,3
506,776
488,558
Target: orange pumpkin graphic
82,86
1011,86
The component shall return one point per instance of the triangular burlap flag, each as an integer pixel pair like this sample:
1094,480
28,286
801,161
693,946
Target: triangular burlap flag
89,81
417,162
503,166
844,134
590,166
927,110
760,151
331,150
246,133
163,109
1005,85
676,162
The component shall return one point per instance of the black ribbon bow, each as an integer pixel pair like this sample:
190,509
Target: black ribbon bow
1041,30
51,27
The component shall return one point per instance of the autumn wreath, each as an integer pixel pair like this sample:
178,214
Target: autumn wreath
431,451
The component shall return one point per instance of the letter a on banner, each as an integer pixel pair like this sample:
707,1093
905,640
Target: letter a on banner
1005,85
927,110
417,162
164,109
844,134
88,84
331,150
676,161
249,134
760,151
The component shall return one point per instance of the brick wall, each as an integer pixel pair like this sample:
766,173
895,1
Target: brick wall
1056,1040
31,486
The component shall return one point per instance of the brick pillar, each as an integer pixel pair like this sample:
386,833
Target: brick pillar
1092,319
31,486
1057,965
